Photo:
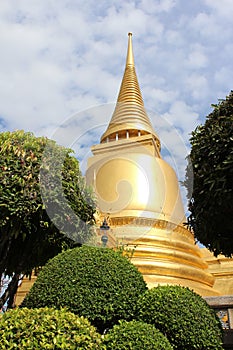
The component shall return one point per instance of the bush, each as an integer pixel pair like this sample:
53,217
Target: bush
46,328
183,316
97,283
135,335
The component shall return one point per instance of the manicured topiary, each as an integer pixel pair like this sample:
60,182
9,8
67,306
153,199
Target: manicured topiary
97,283
135,335
183,316
45,328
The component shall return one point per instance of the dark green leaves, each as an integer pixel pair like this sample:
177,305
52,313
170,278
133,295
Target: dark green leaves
183,316
135,335
37,175
211,173
97,283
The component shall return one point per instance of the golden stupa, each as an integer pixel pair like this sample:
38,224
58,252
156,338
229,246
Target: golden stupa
139,194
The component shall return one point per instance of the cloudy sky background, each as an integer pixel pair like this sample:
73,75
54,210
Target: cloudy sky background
62,62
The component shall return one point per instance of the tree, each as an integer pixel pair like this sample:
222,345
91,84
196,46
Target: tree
183,316
45,206
209,179
97,283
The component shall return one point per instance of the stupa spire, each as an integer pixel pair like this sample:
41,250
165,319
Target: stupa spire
129,114
130,57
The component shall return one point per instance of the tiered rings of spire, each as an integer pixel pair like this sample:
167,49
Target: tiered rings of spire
129,117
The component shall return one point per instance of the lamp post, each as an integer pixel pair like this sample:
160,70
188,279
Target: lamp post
104,229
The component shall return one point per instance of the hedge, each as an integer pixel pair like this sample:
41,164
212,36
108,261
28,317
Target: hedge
135,335
97,283
45,328
183,316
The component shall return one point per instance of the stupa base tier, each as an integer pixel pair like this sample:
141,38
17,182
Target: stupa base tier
199,288
164,253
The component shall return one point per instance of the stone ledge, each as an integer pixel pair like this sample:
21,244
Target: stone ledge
221,301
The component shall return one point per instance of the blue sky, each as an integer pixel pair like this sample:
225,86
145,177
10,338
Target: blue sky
66,58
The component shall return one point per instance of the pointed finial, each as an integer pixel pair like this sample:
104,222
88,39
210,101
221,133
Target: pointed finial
130,58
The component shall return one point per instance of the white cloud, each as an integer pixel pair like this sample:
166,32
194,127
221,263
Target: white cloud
205,25
224,75
197,58
182,115
198,86
223,8
174,38
61,57
157,6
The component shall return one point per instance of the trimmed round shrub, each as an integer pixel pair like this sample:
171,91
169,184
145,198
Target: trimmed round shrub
183,316
97,283
135,335
46,328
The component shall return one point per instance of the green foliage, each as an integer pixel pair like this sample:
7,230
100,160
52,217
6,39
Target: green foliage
97,283
211,169
44,204
46,328
135,335
183,316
